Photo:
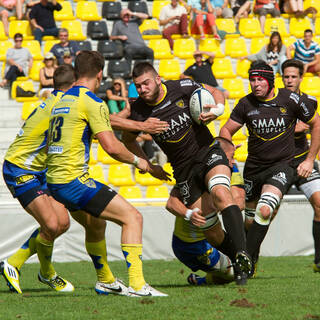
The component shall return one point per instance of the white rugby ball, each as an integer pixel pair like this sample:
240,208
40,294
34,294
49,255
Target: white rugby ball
199,98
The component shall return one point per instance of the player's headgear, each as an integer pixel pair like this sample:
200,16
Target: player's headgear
261,69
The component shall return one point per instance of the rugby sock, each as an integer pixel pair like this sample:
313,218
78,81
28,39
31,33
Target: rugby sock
44,251
227,247
255,236
27,250
98,253
233,223
133,256
316,238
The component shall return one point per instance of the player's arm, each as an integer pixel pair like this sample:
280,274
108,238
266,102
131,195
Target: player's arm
229,129
176,207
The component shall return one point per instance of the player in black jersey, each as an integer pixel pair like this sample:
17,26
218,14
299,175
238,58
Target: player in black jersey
270,116
200,166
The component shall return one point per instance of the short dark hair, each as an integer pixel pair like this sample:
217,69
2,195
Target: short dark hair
18,35
308,31
141,68
88,64
63,77
293,63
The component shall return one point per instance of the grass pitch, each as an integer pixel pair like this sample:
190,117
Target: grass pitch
285,288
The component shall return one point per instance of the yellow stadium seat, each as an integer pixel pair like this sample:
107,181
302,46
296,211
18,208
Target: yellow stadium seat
222,68
312,3
235,87
297,26
157,192
75,29
28,107
157,6
227,25
257,44
66,13
96,173
184,48
317,26
4,46
3,35
242,68
238,137
133,192
103,157
241,153
188,63
120,175
168,168
160,48
146,179
226,113
150,24
20,26
212,128
34,47
278,83
26,85
288,41
250,28
169,69
34,72
236,47
211,45
311,85
87,11
275,24
48,45
92,159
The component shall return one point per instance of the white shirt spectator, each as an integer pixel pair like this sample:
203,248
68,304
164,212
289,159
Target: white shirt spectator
168,11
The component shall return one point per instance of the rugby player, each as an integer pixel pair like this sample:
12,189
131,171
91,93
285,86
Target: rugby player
270,116
200,166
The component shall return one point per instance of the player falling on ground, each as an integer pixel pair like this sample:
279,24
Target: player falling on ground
200,165
270,116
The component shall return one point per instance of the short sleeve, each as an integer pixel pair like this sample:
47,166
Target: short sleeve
306,107
187,86
115,29
9,54
317,50
238,113
188,72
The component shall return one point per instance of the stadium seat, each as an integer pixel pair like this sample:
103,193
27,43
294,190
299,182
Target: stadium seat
34,72
138,6
110,49
157,6
188,63
154,192
212,128
250,28
87,11
4,46
257,44
120,175
242,68
34,47
184,48
75,29
288,41
241,153
160,48
317,26
2,33
227,25
96,173
102,91
235,88
26,85
133,192
297,26
311,86
85,45
150,29
211,45
312,3
236,47
104,157
146,179
28,107
168,168
278,83
222,68
48,45
92,159
66,13
238,137
111,10
169,69
119,68
275,24
97,30
20,26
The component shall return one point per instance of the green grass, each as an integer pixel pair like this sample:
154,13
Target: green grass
285,288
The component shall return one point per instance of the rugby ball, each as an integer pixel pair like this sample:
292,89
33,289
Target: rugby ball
199,98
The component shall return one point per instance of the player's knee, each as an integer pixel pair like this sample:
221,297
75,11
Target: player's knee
51,229
134,217
266,205
64,225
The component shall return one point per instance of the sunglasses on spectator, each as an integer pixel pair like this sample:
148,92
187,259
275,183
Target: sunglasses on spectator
18,40
117,83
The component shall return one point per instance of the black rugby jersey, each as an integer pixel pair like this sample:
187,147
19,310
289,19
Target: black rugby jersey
271,125
184,137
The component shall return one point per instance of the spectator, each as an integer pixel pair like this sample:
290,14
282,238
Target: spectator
274,53
41,18
203,18
65,47
296,7
18,61
264,7
46,75
307,51
221,9
128,32
241,9
201,71
10,8
117,96
27,6
174,19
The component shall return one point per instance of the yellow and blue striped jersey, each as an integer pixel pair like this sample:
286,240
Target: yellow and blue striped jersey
28,149
74,121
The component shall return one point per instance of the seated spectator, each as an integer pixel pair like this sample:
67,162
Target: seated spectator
241,9
296,7
174,19
10,8
42,20
264,7
46,75
27,6
203,18
65,46
201,71
117,96
18,61
221,9
307,51
128,32
274,53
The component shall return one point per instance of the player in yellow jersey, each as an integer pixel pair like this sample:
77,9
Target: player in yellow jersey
24,173
78,117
